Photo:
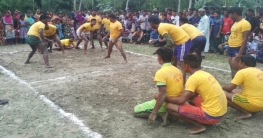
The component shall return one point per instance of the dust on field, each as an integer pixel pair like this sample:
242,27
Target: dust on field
104,92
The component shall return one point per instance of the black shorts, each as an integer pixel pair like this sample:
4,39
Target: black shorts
198,44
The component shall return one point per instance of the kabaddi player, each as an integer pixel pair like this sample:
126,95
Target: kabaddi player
36,39
175,38
81,33
209,100
197,37
168,86
237,41
67,43
248,99
115,34
105,27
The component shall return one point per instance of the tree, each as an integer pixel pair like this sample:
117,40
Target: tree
190,4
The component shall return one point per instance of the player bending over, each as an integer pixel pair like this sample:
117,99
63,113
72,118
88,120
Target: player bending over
249,99
67,43
169,81
209,103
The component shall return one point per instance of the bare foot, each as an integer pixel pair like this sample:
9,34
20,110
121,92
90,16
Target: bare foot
197,129
49,66
244,115
77,48
125,61
85,51
92,48
106,57
166,121
27,62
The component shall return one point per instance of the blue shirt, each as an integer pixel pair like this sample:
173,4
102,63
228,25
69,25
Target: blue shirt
165,21
154,35
195,20
216,26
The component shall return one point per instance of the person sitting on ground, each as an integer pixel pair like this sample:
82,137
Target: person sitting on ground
156,39
209,100
67,43
249,99
223,47
252,48
137,36
169,81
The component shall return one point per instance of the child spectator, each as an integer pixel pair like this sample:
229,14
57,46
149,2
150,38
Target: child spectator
22,29
59,27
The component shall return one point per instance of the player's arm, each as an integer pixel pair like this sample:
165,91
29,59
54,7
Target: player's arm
230,87
159,101
41,33
186,95
81,30
169,40
243,45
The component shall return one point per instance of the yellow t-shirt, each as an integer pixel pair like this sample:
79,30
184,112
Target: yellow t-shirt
98,21
115,29
191,30
236,37
251,80
178,35
51,30
214,99
172,78
106,22
66,43
34,29
87,27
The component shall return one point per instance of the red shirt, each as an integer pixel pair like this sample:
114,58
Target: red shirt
227,24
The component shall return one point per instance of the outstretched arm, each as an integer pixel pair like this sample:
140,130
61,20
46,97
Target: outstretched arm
169,40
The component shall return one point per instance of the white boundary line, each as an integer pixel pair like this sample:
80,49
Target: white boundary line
51,104
208,67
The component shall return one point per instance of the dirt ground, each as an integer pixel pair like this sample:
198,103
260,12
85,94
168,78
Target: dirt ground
103,93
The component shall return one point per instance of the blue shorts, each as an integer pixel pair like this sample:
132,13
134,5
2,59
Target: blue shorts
198,44
232,51
181,50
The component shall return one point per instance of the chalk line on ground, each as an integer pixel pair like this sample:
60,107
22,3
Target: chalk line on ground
208,67
51,104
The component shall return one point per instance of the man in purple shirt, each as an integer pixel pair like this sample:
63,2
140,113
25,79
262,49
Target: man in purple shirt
195,19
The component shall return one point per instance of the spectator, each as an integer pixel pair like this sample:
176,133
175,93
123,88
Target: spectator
142,21
222,12
252,20
227,24
137,37
22,29
80,19
9,28
156,39
37,15
175,18
224,46
184,14
180,14
216,33
2,30
16,28
59,28
30,21
67,28
252,48
259,40
261,20
190,13
169,14
195,19
164,18
203,26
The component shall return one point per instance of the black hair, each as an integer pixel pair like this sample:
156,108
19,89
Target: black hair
164,14
218,12
22,16
250,10
192,60
165,53
236,10
113,16
191,9
212,8
154,19
184,20
43,17
93,20
249,60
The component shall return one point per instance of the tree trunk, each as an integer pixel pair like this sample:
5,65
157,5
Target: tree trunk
179,5
74,5
80,3
127,5
190,4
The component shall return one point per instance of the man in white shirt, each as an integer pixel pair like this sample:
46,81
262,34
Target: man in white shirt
204,27
142,21
175,18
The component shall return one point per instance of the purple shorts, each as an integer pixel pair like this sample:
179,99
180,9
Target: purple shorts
181,50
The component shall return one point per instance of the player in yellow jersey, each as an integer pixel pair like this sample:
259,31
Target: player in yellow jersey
36,40
175,38
209,100
50,33
81,33
197,37
169,81
115,35
97,28
67,43
105,27
237,41
249,99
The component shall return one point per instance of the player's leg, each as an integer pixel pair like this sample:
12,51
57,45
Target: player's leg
42,47
99,37
231,98
173,109
86,42
105,41
200,46
231,53
33,41
31,54
119,46
111,44
183,50
174,59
